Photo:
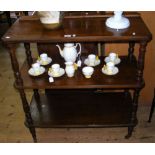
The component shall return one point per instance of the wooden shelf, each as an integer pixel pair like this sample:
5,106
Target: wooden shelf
85,109
86,29
126,78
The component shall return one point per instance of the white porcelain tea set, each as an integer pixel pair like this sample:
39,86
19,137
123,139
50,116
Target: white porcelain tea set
92,60
72,62
111,60
37,68
44,59
69,53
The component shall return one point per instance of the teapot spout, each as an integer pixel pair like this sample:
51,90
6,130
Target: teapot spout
60,50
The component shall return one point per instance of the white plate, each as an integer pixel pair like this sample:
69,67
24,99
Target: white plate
115,71
32,73
117,60
44,63
97,62
61,73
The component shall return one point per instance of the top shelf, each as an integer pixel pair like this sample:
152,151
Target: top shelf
86,29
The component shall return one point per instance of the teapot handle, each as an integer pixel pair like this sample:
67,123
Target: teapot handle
79,49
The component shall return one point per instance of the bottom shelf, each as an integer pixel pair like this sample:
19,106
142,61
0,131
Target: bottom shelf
83,109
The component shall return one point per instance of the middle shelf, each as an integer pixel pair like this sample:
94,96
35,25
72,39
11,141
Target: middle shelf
126,78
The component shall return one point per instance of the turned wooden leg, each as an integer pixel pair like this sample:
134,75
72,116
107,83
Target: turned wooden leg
30,61
130,130
36,94
28,53
152,108
26,109
8,17
135,105
33,133
141,58
19,82
37,98
134,112
131,50
101,49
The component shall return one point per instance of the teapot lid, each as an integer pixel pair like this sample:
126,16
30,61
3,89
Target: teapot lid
69,44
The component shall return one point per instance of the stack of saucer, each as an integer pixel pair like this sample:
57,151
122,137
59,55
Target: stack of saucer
111,61
92,60
36,70
56,71
113,57
44,60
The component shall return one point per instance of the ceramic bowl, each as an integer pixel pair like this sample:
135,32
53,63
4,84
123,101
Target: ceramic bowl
88,71
46,18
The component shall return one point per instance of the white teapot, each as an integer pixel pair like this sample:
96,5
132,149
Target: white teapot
69,52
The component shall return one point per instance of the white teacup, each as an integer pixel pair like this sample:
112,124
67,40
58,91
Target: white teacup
55,68
88,71
112,56
91,59
43,57
110,67
36,68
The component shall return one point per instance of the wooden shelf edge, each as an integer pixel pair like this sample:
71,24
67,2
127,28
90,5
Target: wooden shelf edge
62,113
42,83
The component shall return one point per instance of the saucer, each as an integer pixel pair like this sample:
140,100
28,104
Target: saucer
44,63
97,62
117,60
31,71
61,73
115,71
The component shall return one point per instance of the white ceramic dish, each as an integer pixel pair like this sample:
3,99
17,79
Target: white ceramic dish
61,73
88,71
97,62
44,63
116,62
115,71
32,73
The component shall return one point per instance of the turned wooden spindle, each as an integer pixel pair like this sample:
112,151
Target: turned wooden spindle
19,82
141,59
135,105
134,112
28,53
30,61
131,50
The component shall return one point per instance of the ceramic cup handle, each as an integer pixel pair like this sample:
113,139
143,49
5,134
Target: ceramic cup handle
79,49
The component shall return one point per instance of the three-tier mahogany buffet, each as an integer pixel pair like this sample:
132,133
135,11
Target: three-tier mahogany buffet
100,101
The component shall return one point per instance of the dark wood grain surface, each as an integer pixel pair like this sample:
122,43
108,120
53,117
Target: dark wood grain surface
85,29
126,78
85,109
